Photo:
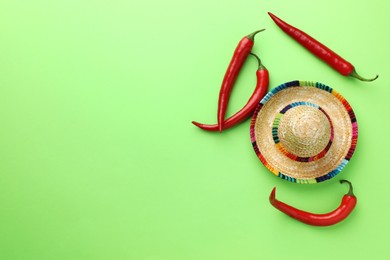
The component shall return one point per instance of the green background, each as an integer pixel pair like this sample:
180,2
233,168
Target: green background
98,156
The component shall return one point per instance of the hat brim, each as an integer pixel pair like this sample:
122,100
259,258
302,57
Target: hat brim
338,111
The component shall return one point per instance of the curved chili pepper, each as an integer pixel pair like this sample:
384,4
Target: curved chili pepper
344,67
348,203
240,54
261,89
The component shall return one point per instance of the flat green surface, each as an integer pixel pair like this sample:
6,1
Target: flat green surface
98,156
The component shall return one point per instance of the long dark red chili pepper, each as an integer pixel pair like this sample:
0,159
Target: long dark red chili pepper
348,203
320,50
261,89
240,54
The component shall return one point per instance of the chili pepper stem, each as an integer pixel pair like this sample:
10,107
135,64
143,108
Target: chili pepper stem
260,64
356,75
350,192
252,35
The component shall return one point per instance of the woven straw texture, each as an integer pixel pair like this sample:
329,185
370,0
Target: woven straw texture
304,132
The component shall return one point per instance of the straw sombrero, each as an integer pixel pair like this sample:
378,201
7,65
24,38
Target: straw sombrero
304,132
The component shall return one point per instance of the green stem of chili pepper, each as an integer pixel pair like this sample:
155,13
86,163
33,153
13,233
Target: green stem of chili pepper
356,75
350,192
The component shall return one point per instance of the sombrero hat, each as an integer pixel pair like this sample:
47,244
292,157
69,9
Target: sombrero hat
304,132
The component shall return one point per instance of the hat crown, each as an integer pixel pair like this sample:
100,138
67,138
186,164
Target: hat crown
304,131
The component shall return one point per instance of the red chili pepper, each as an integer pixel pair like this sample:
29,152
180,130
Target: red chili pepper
240,54
344,67
259,92
347,205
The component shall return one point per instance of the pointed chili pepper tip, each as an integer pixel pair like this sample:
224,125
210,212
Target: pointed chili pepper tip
356,75
350,192
202,126
195,123
272,196
273,16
